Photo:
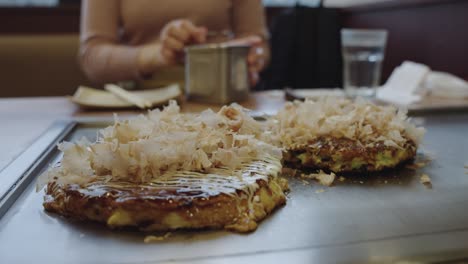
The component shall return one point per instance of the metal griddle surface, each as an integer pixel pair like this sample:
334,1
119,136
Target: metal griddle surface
385,218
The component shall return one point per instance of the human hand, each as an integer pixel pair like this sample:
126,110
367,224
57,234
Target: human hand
255,58
176,35
169,50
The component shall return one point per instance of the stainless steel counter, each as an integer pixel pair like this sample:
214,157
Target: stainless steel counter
384,218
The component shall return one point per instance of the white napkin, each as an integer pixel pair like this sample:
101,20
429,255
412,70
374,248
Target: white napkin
411,82
445,85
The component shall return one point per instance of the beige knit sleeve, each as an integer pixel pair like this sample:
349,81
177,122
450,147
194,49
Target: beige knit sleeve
102,57
248,18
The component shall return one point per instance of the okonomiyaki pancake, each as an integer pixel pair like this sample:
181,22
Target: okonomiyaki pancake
185,200
167,171
344,155
340,135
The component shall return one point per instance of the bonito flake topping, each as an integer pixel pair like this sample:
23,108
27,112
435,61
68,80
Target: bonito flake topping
144,148
360,120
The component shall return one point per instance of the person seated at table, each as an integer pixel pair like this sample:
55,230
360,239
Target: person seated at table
135,39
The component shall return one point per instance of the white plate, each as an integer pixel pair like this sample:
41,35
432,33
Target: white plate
426,104
94,98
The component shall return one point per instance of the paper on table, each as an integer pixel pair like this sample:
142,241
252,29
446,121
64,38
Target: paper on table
94,98
141,102
403,84
412,82
445,85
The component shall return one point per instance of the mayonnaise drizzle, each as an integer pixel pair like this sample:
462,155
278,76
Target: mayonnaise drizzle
194,184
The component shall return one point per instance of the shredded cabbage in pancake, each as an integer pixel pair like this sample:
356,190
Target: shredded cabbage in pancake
301,122
144,148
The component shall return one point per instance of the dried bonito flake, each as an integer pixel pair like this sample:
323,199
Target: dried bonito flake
325,179
301,122
151,239
426,180
144,148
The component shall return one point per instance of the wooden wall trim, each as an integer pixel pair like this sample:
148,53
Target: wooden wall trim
60,19
433,32
427,31
395,4
39,20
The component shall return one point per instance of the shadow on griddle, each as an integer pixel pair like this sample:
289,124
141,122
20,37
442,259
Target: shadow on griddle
95,230
398,176
403,175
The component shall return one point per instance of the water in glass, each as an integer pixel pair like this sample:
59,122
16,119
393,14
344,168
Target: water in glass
362,68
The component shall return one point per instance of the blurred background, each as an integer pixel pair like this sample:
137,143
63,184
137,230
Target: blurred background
39,41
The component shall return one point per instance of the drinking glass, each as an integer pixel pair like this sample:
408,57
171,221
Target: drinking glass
363,53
